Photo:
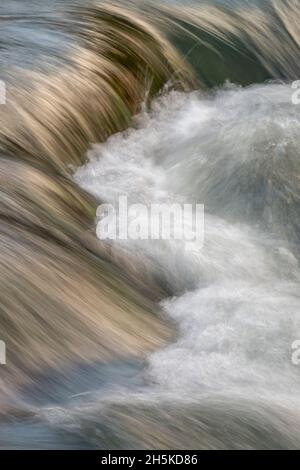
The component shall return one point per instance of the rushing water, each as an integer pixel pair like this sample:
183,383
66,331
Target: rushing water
237,302
225,377
236,299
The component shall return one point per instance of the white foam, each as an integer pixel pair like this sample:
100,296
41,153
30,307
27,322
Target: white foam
240,310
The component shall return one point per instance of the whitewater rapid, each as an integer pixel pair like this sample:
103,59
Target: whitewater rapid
227,379
236,299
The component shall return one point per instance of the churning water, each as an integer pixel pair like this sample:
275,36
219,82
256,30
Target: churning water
149,343
236,299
